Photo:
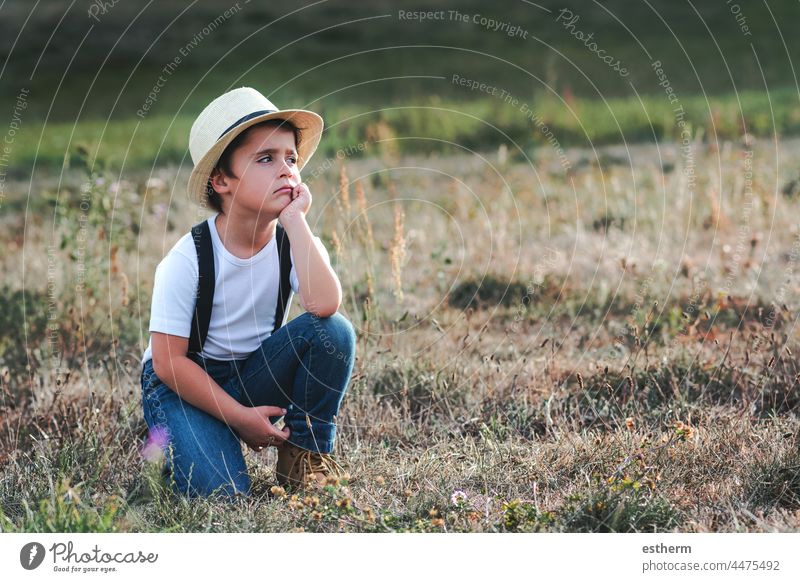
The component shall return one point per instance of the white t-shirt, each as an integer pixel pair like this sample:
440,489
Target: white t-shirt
245,296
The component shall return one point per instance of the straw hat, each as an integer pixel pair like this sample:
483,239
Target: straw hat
229,115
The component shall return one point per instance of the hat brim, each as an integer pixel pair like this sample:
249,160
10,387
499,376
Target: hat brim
310,124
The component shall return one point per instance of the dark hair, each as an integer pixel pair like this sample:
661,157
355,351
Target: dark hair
224,162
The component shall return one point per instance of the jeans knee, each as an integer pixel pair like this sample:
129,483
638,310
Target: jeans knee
335,334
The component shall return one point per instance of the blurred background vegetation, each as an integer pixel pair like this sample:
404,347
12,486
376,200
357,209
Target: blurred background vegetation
371,73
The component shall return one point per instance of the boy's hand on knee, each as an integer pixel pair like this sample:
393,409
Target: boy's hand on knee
255,428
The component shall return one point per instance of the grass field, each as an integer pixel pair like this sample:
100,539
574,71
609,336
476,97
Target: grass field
611,348
430,125
576,298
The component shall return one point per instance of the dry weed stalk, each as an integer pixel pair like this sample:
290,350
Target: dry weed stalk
337,244
344,191
397,252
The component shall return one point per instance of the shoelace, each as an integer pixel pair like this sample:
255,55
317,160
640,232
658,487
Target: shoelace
311,462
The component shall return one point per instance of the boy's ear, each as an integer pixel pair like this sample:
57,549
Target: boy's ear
220,182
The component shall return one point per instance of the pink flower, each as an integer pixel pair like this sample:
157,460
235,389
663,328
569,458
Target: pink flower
153,448
458,497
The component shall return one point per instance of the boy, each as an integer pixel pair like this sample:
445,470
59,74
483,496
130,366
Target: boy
209,382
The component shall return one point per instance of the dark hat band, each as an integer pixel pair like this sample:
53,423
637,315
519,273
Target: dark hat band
247,117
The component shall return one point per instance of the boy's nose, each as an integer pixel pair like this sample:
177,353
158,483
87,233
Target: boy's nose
286,169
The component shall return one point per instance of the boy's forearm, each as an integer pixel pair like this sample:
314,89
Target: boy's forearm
320,288
195,386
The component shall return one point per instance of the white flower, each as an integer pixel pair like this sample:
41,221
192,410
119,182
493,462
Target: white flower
458,497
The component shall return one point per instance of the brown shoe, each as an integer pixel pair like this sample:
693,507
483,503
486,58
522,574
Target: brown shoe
303,468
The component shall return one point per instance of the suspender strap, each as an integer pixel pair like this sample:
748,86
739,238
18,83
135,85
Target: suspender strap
285,288
201,234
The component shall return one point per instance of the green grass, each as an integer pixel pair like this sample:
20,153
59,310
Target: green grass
429,126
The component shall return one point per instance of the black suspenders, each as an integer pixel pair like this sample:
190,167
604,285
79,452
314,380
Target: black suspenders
201,234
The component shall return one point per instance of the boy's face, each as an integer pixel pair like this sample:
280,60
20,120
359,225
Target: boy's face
266,164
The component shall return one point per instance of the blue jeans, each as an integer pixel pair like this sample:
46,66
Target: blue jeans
304,367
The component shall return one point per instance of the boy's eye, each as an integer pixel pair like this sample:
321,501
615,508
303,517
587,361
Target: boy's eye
292,159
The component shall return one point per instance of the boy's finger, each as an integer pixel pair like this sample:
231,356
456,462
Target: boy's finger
274,410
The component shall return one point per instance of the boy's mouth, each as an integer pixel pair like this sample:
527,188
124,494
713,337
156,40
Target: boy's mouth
284,190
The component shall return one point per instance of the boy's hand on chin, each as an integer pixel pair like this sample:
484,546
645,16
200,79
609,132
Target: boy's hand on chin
298,207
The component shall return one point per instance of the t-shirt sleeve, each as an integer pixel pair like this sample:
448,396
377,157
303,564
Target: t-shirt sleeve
293,280
174,292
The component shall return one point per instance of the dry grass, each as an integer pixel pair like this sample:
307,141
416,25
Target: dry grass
606,350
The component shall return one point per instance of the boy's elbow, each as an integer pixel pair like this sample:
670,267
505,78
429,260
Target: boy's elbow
323,309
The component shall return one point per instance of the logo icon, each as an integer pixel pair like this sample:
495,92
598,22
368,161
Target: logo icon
31,555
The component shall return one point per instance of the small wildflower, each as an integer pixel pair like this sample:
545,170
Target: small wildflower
458,497
316,515
311,501
629,423
380,480
153,449
683,431
438,522
344,503
298,530
408,493
278,491
433,512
